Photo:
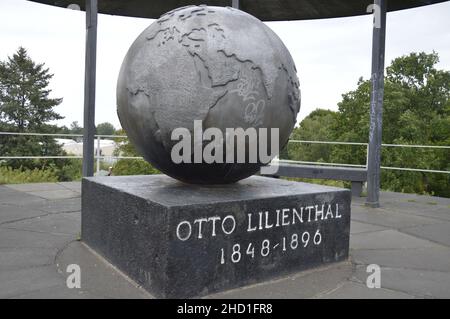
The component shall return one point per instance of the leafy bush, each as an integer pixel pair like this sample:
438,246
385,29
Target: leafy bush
130,166
71,171
133,167
9,175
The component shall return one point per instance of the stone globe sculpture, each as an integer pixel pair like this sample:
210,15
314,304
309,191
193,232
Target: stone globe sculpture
217,66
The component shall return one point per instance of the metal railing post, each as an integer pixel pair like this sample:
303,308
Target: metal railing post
376,105
89,88
98,154
367,156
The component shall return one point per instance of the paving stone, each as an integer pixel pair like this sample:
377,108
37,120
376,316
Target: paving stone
74,186
20,199
33,187
303,285
5,190
407,237
17,258
417,209
9,213
437,232
387,239
431,259
393,197
438,214
14,238
16,282
356,290
358,200
55,194
98,278
59,205
389,219
421,283
63,223
409,205
441,213
60,291
358,227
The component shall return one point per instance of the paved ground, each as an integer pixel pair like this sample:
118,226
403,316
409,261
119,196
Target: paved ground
409,237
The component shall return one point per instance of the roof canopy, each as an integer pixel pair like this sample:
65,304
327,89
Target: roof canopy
265,10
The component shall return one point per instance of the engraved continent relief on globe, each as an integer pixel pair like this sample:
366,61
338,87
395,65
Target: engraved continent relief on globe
217,65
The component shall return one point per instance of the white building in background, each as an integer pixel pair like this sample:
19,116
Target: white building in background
107,147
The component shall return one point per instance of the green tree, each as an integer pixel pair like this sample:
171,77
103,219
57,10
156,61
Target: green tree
105,129
63,130
416,111
75,128
315,127
24,96
26,106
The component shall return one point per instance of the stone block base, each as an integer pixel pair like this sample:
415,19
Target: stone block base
179,240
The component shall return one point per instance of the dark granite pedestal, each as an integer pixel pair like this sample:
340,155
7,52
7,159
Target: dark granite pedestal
179,240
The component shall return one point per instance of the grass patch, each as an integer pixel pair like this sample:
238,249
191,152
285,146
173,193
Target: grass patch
19,176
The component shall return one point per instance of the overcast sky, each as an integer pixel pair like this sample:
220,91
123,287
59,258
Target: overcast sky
330,54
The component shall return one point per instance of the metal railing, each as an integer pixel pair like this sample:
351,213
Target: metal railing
330,143
367,156
99,157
